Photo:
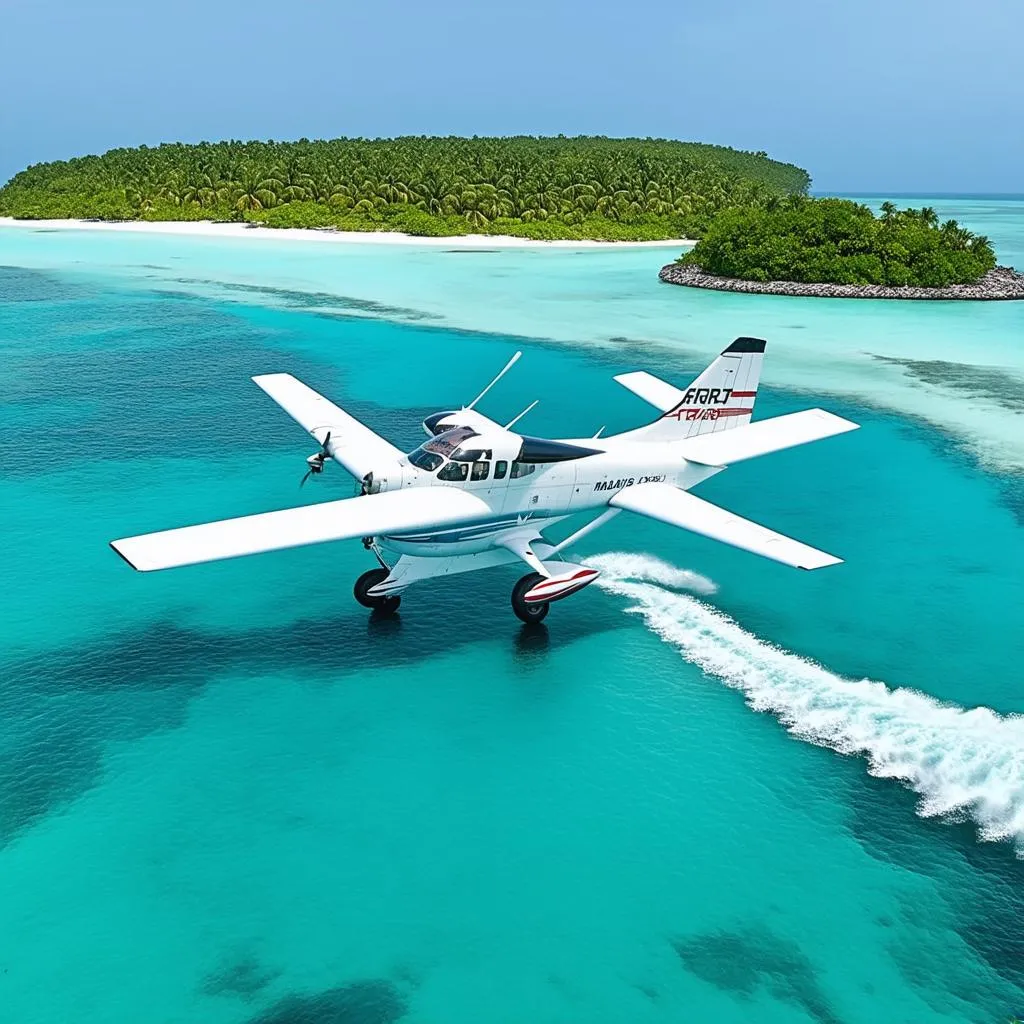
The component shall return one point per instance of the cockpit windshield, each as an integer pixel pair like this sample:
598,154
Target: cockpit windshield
425,460
432,453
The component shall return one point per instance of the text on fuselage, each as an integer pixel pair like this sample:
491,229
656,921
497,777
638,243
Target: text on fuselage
629,481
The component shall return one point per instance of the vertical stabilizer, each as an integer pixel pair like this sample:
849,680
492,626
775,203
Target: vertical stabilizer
721,398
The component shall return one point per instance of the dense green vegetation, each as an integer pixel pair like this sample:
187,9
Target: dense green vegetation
838,241
541,187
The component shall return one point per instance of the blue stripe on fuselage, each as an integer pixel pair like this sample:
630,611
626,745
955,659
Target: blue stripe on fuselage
472,531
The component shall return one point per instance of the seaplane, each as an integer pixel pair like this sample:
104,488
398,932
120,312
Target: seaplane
478,494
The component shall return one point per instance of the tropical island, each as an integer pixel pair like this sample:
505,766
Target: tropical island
836,248
541,188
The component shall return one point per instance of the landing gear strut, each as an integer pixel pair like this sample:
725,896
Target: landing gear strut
361,592
532,611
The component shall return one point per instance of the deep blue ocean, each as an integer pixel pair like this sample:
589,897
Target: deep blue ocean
711,789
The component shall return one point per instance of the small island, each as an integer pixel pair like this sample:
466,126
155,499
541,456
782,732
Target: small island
579,188
836,248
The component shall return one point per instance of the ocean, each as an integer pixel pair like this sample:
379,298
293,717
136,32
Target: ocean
712,788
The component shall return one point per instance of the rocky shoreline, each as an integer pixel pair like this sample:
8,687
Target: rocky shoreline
1001,283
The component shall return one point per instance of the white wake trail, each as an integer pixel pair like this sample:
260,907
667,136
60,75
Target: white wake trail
961,762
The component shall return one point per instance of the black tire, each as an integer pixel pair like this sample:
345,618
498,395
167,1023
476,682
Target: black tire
378,604
528,613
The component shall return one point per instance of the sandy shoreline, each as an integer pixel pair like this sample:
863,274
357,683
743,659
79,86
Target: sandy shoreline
205,228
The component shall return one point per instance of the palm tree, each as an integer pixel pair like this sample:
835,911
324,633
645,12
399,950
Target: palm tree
295,183
140,199
256,192
200,190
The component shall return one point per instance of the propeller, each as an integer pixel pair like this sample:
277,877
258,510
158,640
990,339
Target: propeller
316,462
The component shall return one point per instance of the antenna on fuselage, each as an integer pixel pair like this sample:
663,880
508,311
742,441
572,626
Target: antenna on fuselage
508,366
516,419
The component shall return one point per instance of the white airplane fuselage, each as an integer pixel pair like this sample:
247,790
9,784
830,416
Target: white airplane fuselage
548,493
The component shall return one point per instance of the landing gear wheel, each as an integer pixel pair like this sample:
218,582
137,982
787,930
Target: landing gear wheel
529,613
378,604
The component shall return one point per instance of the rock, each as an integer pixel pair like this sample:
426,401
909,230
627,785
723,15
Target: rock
1000,283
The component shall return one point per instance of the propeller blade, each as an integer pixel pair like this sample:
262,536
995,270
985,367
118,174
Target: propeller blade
302,482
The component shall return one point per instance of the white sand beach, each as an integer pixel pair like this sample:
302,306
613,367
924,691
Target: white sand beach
220,230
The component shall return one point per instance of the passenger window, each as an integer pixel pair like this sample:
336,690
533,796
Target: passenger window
500,469
480,470
454,471
521,469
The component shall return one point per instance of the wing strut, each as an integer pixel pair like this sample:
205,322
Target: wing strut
519,545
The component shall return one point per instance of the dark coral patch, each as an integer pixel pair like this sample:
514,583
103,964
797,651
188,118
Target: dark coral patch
243,977
20,284
755,958
362,1002
991,383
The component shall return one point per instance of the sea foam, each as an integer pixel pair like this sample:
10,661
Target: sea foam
962,762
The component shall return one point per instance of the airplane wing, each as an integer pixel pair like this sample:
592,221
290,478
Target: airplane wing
368,515
764,437
670,505
352,443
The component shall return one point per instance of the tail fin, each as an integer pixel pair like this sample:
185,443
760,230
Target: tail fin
721,398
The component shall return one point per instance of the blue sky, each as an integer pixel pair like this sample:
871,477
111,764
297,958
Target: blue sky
898,95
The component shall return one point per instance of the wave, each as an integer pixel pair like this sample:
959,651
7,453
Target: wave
961,762
622,565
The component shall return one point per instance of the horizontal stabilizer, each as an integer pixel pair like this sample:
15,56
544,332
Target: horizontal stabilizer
670,505
365,516
352,444
764,437
662,395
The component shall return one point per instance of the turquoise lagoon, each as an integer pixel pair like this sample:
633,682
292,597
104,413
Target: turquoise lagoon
713,789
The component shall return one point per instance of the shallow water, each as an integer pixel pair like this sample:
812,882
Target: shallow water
226,795
959,366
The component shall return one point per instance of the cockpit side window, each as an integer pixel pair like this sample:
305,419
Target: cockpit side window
425,460
520,469
479,471
454,471
500,469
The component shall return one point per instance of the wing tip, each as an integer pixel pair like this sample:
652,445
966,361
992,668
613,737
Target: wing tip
259,378
842,424
823,563
114,547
